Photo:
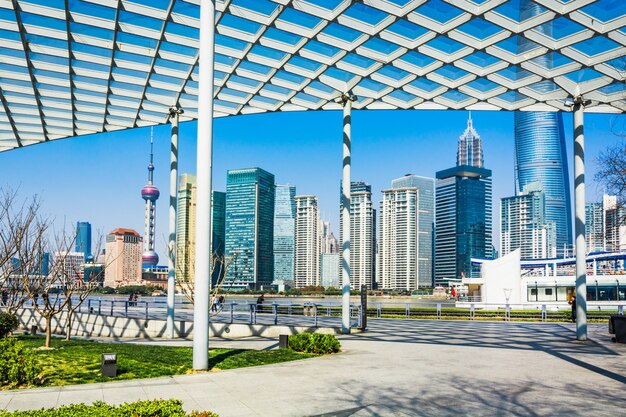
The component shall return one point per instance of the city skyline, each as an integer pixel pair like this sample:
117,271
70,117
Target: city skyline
248,141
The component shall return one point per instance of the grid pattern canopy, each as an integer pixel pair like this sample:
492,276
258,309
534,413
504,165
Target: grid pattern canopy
74,67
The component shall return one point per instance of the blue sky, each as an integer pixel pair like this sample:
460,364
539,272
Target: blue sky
98,178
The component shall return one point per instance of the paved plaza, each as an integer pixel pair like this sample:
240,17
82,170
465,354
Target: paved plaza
397,368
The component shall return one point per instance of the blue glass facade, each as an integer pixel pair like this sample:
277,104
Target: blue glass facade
540,156
218,226
284,232
250,227
83,238
463,222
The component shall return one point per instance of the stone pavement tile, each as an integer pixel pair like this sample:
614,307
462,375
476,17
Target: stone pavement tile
79,396
4,401
227,408
119,395
273,408
33,400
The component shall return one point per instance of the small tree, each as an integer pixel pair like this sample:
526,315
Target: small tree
22,232
612,170
82,280
185,282
51,286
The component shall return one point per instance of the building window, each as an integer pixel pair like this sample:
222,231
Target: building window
548,291
533,291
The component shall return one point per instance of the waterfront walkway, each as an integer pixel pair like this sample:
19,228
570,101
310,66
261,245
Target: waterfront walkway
398,368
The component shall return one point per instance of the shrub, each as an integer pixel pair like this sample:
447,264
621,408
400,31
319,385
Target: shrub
154,408
17,363
314,343
8,323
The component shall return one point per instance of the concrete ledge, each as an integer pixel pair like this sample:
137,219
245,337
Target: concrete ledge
93,325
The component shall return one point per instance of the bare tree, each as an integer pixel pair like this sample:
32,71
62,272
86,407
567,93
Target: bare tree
612,170
51,286
83,279
22,236
185,282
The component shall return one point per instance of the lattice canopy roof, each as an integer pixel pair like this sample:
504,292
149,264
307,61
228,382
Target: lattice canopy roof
75,67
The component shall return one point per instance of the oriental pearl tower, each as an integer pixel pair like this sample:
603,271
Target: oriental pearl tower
150,194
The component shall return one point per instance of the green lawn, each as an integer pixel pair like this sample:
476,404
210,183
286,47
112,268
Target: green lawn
78,361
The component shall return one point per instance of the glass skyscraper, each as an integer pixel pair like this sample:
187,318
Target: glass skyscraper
463,222
540,156
250,227
284,232
83,238
186,229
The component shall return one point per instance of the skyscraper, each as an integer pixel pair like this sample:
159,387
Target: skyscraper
362,236
250,227
594,227
150,194
83,239
463,222
470,147
614,227
123,258
524,225
329,241
540,156
218,228
399,236
329,270
426,222
307,242
186,229
284,233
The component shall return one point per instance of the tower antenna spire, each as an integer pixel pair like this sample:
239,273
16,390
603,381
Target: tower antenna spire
151,164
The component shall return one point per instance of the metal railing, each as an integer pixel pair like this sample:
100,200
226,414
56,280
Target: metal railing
328,314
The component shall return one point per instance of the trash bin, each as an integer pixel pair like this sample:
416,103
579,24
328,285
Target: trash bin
617,326
283,341
33,330
109,365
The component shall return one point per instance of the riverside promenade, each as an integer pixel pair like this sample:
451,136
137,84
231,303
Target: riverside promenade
396,368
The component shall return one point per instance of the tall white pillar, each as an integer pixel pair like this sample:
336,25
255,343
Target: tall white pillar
346,101
203,181
175,112
579,184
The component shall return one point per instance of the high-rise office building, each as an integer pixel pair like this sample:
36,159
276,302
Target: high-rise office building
83,239
362,236
463,222
186,229
399,239
329,270
540,156
426,222
329,241
250,227
470,147
524,225
614,227
284,233
123,258
307,242
218,241
594,227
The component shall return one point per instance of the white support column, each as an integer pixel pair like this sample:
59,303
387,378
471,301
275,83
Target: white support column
175,112
346,101
579,186
204,170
